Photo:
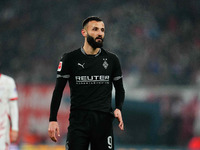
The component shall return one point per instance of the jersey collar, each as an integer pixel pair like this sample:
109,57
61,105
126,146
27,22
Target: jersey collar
99,52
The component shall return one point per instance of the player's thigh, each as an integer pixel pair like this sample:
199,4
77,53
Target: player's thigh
3,143
102,136
79,143
106,143
5,137
78,137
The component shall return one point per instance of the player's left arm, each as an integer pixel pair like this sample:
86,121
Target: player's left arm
119,100
119,91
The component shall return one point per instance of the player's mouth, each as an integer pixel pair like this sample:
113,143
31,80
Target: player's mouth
99,39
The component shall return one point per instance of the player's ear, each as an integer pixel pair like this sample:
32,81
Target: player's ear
83,32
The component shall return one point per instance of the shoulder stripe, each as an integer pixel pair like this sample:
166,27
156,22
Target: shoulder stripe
13,99
117,78
63,76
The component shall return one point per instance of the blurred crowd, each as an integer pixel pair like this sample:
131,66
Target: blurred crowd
159,41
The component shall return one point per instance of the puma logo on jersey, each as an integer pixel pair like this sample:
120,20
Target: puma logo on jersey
82,65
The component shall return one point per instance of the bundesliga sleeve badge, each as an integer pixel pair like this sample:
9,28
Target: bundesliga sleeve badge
60,66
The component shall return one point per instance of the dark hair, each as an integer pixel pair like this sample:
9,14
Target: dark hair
91,18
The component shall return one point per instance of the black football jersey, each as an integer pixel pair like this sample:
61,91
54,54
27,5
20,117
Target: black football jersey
90,78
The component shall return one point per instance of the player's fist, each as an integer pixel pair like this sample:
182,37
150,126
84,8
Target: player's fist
118,115
53,130
13,135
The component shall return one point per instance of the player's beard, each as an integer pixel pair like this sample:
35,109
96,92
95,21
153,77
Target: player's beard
93,43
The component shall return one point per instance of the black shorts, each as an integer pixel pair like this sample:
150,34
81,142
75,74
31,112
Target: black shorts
90,128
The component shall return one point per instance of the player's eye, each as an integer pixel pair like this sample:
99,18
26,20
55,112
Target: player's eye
95,28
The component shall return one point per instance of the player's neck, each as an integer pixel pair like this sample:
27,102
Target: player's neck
89,50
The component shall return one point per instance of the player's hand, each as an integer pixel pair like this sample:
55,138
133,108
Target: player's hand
13,135
118,115
53,130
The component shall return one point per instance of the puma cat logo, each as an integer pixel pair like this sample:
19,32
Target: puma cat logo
82,65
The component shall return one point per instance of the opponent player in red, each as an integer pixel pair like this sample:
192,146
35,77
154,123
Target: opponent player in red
8,112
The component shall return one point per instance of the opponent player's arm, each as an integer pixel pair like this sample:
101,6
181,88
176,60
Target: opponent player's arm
14,119
13,110
55,104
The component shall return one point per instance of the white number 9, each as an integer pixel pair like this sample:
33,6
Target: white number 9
109,139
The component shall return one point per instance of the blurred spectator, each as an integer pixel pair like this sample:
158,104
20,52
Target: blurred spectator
159,39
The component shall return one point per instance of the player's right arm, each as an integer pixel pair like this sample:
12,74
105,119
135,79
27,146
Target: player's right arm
62,77
56,98
53,129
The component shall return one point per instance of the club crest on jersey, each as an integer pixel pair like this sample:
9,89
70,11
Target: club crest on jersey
105,63
60,66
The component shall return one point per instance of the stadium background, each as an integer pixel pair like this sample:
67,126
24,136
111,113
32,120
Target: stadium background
157,41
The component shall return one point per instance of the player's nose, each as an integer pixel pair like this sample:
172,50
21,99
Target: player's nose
100,33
